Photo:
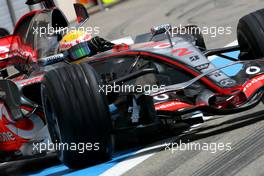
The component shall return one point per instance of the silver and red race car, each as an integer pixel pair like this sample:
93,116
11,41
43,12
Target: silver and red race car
70,92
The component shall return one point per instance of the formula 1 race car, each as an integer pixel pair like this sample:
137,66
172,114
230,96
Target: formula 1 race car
53,87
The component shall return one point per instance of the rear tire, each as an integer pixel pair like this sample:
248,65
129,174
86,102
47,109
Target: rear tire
250,35
77,114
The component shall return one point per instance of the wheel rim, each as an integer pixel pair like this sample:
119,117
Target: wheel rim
53,125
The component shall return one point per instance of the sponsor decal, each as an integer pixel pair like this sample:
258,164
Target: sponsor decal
163,45
31,81
158,45
29,129
194,58
161,97
120,47
4,49
7,136
216,74
227,82
253,70
51,59
24,128
203,66
181,52
252,85
4,52
171,106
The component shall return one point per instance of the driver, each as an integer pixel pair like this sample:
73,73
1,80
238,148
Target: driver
81,44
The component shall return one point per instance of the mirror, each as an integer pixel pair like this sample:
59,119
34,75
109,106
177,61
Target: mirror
164,28
81,13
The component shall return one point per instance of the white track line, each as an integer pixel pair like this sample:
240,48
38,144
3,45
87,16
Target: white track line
233,43
126,165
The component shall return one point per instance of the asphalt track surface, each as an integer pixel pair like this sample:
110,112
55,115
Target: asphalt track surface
245,131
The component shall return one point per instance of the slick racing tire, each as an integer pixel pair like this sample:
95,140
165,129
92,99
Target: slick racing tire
3,32
250,35
77,115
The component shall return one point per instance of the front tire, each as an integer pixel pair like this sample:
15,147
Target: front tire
250,35
77,114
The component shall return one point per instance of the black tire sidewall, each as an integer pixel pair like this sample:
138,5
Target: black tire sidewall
82,111
250,35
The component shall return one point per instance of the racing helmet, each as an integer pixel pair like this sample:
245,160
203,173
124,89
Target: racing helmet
75,41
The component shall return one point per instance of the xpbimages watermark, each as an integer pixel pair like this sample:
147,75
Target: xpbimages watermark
212,147
116,88
211,31
79,147
50,30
